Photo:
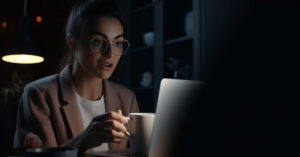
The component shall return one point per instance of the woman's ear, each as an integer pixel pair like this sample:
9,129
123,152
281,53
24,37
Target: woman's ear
71,42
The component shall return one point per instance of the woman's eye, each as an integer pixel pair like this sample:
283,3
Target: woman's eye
97,42
119,44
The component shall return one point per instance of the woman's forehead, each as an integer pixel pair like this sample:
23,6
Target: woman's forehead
106,23
106,26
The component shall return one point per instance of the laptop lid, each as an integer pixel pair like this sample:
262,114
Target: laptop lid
174,101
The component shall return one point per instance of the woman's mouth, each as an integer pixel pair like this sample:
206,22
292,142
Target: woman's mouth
106,66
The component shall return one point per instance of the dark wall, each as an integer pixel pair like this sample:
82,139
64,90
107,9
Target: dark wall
224,22
250,106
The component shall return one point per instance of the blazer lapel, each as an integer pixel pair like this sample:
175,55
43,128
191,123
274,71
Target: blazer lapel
70,107
112,103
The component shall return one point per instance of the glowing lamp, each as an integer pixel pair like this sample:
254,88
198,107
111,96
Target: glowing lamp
25,50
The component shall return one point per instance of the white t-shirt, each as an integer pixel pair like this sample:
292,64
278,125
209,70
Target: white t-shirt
88,110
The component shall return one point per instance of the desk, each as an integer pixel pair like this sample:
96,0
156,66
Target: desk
91,155
111,153
114,153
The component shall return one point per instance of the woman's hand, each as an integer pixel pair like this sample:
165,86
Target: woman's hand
108,127
32,141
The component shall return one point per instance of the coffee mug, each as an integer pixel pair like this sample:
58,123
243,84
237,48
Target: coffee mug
140,128
52,152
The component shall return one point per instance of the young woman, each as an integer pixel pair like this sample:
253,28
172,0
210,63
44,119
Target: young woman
79,107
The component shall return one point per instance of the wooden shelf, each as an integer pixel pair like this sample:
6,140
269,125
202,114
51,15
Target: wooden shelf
147,6
176,40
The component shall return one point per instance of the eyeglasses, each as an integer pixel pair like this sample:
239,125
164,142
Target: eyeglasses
119,48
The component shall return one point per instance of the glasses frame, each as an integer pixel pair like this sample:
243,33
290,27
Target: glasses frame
111,43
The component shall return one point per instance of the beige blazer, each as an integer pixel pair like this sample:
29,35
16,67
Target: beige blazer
49,109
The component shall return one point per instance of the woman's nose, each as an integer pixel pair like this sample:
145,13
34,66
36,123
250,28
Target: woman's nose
108,53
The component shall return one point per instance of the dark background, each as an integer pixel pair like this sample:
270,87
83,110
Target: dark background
252,69
251,105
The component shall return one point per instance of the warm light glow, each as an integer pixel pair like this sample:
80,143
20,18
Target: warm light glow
4,24
38,19
23,59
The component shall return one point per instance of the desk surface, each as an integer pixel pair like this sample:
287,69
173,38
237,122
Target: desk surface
111,153
114,153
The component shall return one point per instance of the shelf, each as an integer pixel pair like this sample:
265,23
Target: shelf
142,88
174,18
141,48
141,23
168,22
141,63
176,40
147,6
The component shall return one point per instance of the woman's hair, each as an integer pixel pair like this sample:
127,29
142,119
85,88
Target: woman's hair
86,11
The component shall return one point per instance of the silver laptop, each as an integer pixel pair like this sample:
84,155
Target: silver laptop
175,99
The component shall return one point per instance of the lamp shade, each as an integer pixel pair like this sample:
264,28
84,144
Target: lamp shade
24,51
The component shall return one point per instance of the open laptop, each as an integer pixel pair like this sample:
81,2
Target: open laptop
176,98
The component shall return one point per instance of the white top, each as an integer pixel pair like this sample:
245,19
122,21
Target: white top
88,110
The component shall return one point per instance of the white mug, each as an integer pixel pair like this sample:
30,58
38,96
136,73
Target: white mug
140,128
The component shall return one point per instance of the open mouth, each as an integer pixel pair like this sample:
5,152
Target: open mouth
107,65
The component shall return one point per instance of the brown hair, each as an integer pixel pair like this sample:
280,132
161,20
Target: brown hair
86,11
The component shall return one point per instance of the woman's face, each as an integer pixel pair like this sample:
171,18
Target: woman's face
90,50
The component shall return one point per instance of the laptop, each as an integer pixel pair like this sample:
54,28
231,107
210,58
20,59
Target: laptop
176,98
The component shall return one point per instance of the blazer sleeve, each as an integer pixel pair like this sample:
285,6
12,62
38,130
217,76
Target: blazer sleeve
34,116
134,104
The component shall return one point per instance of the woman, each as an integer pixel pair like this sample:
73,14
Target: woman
79,107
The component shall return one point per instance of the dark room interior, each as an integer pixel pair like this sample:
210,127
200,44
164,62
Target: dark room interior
245,49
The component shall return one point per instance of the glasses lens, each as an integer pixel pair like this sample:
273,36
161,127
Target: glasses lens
95,45
98,46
